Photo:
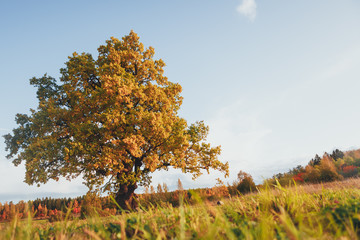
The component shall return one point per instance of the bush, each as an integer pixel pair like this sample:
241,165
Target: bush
323,172
349,171
232,190
312,174
245,183
58,216
328,171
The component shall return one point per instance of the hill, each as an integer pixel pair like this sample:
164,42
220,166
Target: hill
330,167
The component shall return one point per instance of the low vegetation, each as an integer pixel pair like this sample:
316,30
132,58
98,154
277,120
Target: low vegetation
318,201
296,212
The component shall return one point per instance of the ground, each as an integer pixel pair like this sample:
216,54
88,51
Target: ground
320,211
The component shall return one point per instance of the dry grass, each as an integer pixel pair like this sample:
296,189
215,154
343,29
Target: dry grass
316,211
350,183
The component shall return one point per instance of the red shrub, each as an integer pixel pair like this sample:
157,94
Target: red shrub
348,169
299,177
76,210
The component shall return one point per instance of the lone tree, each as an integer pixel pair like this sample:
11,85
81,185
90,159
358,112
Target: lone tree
112,120
245,183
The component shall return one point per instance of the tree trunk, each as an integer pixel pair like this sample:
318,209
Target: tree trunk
126,198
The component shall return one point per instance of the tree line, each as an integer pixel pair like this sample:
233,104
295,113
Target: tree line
55,209
330,167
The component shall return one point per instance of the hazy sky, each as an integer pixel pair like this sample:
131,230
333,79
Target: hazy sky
276,81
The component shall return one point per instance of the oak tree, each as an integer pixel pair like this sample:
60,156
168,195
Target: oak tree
111,120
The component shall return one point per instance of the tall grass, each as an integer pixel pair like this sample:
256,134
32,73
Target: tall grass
297,212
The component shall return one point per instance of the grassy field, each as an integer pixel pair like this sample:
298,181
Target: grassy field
329,211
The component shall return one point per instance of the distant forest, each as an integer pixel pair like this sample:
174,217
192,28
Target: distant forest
333,166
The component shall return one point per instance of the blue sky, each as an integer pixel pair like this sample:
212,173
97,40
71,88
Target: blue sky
276,81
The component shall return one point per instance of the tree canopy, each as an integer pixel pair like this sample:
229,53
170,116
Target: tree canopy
113,120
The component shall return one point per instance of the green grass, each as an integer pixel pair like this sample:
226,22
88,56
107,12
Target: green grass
283,213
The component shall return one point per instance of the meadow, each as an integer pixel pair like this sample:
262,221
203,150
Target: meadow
309,211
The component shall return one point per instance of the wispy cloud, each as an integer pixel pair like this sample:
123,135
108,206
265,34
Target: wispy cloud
248,9
241,132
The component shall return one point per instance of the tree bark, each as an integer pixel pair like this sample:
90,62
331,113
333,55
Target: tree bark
126,197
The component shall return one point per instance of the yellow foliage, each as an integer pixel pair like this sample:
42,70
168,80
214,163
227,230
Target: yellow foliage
112,119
